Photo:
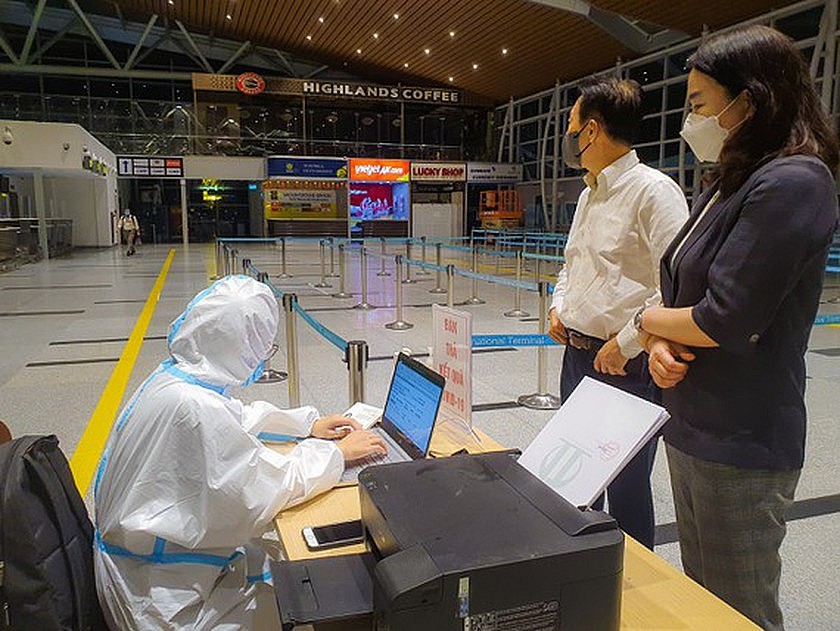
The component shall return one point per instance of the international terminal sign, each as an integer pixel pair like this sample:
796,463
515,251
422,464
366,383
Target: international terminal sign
253,84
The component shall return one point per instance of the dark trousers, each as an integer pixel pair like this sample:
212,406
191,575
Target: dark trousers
630,497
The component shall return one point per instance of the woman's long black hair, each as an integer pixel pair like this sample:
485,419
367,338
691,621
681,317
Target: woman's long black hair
788,118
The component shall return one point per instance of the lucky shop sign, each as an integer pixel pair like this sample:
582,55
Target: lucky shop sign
438,171
379,170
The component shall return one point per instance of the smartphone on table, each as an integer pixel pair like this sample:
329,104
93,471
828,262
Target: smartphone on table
333,535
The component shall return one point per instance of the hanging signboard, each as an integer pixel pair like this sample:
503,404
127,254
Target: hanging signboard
438,171
321,168
150,166
493,172
252,83
362,170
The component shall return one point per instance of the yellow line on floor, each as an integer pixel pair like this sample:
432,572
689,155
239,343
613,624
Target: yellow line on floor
87,454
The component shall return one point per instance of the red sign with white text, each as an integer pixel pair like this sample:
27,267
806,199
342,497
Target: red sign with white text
379,170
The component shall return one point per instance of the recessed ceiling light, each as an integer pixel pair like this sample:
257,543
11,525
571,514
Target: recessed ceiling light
451,33
321,19
504,51
405,65
228,17
358,51
309,38
427,51
451,79
396,16
475,66
171,1
376,36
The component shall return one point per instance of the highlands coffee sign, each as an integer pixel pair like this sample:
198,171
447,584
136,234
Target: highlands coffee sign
254,84
380,92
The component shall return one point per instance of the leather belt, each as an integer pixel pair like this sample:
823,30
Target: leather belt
584,342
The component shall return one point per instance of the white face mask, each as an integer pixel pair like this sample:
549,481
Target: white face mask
705,135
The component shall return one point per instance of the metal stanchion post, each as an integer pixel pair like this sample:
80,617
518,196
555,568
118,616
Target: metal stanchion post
342,268
399,324
382,271
517,311
422,271
289,301
331,245
269,374
408,279
541,400
474,299
450,286
438,261
364,305
498,254
246,267
283,273
323,282
219,264
356,357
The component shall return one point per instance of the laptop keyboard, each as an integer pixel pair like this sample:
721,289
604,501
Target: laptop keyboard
395,454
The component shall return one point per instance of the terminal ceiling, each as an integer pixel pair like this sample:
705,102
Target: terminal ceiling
494,49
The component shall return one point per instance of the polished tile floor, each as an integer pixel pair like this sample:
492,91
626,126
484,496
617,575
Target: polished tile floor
65,323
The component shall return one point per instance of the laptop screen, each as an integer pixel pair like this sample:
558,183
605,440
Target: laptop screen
413,401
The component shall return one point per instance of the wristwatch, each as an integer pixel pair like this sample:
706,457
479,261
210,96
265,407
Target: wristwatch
637,319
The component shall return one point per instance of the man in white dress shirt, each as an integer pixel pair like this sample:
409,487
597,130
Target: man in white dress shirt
625,219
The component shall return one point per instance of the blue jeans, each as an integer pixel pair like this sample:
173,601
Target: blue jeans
630,497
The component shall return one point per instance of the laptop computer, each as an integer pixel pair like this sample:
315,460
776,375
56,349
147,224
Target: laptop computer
409,417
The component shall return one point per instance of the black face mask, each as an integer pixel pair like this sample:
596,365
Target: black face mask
571,155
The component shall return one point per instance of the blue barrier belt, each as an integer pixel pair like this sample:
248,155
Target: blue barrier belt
331,337
498,280
828,318
543,257
518,340
415,263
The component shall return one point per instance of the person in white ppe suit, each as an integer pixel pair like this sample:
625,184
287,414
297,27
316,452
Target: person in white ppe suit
185,486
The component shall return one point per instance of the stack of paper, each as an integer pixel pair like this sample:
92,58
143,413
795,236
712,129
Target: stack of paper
366,415
591,439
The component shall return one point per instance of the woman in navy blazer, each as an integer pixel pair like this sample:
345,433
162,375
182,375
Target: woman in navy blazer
741,284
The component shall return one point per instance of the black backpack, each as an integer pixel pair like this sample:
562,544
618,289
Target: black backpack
46,541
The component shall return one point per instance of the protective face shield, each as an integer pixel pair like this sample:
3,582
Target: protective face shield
705,135
571,149
126,212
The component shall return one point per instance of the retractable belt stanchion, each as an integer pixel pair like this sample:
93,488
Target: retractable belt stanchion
498,253
364,305
342,269
438,280
331,242
399,324
356,357
450,286
323,282
517,311
269,374
289,301
283,273
474,299
219,264
423,271
541,400
382,271
408,279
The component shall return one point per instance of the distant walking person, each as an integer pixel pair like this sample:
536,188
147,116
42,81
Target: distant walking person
130,230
